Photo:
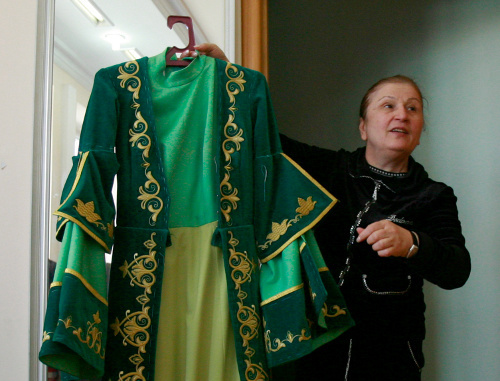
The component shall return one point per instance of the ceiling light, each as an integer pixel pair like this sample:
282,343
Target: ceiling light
92,12
132,53
115,39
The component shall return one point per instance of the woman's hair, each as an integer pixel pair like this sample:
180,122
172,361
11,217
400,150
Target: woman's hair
394,79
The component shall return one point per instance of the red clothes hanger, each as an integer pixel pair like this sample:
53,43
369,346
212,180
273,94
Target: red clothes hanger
171,20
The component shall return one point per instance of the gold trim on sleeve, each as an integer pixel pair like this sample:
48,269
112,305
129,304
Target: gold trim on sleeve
280,229
281,294
87,285
313,223
85,228
323,269
138,137
93,336
87,210
55,284
333,311
62,223
277,344
81,165
234,137
323,189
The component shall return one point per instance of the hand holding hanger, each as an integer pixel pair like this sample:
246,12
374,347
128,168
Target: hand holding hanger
211,50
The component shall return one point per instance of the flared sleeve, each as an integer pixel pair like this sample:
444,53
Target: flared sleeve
76,320
302,307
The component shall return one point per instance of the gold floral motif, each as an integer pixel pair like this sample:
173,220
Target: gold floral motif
279,229
248,317
141,271
87,210
92,336
133,328
46,336
332,311
128,72
136,359
139,137
255,372
138,134
149,196
234,137
134,376
277,344
306,206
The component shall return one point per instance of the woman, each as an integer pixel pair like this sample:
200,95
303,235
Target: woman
392,228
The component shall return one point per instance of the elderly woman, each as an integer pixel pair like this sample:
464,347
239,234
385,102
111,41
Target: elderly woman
392,228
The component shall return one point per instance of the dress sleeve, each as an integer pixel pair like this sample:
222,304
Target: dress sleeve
302,306
77,311
442,257
86,198
75,324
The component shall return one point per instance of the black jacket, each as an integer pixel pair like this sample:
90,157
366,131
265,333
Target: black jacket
385,295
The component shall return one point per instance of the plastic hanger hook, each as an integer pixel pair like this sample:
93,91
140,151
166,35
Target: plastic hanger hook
171,21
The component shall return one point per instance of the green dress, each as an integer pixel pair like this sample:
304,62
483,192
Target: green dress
215,271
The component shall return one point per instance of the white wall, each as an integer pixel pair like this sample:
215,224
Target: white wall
210,15
18,31
323,56
460,68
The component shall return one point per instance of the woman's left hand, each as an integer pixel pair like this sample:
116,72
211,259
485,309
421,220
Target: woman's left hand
386,238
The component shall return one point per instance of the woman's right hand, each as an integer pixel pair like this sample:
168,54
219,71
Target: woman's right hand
207,49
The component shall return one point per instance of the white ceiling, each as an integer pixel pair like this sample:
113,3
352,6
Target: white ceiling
80,47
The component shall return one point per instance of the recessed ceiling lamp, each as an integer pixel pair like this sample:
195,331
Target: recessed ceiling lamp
92,12
115,39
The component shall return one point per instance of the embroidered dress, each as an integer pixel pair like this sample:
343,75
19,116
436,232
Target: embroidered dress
205,192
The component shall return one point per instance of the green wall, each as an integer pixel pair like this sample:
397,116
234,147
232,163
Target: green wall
325,54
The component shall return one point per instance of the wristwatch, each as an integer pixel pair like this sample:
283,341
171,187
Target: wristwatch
414,248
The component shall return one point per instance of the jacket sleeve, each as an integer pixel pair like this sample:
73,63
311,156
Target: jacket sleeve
442,257
86,198
75,324
302,306
77,313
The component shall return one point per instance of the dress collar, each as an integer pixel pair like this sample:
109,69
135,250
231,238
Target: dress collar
173,76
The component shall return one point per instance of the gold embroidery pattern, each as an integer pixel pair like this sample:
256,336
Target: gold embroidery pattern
134,327
87,210
333,311
279,229
248,317
278,344
46,336
138,137
232,143
93,335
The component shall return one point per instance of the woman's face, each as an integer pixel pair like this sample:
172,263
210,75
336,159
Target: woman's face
393,123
